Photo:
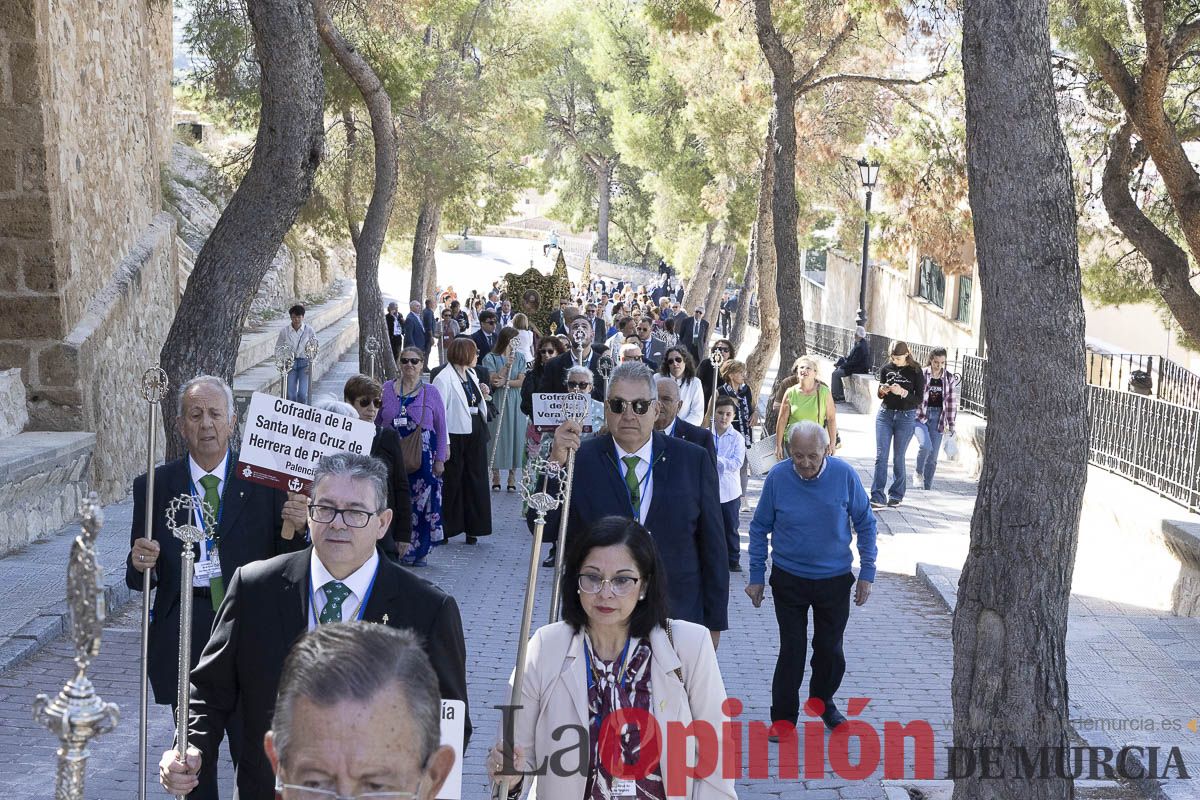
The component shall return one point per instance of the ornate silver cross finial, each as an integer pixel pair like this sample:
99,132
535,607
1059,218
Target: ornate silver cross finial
312,348
154,385
372,345
542,501
198,511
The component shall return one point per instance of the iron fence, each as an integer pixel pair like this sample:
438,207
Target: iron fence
970,393
1147,440
1162,378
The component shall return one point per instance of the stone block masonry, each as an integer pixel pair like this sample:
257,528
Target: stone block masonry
13,414
43,477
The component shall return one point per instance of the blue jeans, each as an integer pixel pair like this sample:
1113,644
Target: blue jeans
927,456
893,430
297,381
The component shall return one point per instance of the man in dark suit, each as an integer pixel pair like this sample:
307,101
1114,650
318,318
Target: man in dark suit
554,375
599,326
414,329
668,484
669,422
271,604
395,327
693,333
428,322
485,337
249,520
558,320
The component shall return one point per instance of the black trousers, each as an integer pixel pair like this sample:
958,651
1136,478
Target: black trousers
829,599
466,501
733,542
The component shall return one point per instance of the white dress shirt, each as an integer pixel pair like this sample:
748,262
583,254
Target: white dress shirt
296,340
358,582
731,453
197,473
642,471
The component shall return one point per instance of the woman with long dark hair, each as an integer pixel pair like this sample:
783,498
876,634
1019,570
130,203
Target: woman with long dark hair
901,387
678,364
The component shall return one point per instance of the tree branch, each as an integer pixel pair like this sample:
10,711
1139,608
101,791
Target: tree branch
889,83
830,53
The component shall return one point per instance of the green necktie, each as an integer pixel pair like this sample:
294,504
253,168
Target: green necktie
212,497
336,593
634,486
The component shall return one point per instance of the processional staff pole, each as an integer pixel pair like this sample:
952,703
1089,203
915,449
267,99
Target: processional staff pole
155,385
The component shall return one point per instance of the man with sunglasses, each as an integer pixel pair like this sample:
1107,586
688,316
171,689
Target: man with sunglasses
667,484
555,374
653,350
271,604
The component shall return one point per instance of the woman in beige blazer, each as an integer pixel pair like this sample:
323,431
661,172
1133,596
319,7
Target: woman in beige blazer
615,649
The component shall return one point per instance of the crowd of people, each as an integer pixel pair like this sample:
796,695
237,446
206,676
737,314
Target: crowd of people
663,454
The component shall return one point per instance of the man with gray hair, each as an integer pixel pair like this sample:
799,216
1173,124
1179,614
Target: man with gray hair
249,520
270,604
371,689
667,484
856,362
806,509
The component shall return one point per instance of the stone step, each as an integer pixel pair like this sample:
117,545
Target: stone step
258,345
43,476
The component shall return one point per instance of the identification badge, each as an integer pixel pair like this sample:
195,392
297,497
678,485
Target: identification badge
400,422
624,788
208,569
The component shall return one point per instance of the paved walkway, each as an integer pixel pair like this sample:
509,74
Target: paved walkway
1125,662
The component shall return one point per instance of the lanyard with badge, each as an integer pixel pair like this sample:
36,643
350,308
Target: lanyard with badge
208,568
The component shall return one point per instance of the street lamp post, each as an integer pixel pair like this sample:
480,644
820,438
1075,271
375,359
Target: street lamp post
869,172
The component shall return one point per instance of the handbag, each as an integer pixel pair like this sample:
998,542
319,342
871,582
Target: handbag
761,455
410,445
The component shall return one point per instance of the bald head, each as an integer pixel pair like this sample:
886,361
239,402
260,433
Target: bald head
808,443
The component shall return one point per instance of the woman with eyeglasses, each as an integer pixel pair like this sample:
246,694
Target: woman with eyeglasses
706,373
363,394
507,430
615,650
413,408
466,504
447,328
548,349
677,363
809,399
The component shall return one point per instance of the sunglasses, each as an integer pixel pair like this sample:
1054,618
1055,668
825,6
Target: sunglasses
720,349
410,361
365,401
548,352
640,407
674,360
578,386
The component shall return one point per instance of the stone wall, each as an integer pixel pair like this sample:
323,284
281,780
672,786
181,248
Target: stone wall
13,413
43,478
85,113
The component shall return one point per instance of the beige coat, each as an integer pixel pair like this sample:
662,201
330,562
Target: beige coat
555,694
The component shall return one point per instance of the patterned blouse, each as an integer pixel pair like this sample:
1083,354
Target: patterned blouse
623,683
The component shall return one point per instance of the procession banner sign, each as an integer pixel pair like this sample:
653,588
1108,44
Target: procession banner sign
454,728
283,441
550,409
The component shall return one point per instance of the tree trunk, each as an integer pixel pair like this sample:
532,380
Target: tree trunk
369,245
763,355
1009,687
716,287
741,316
604,201
784,208
702,276
1169,267
207,329
348,205
424,263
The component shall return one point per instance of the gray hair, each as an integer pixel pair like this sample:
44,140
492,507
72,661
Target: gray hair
336,406
860,332
359,661
633,372
198,381
579,369
414,305
354,466
806,429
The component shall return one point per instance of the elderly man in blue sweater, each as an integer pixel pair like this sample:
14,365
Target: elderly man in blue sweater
807,507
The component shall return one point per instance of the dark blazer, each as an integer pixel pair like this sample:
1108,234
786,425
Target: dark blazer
701,437
482,344
653,351
264,613
685,332
684,518
427,322
414,331
858,361
249,531
386,447
554,378
600,330
390,320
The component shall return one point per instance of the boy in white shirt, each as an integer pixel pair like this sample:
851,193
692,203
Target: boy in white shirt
731,453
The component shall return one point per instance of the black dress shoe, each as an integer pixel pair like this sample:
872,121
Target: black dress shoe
735,566
549,561
832,717
472,540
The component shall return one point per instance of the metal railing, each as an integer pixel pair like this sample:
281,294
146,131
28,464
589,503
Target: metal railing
970,393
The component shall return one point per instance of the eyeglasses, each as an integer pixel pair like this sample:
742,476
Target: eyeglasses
297,792
617,406
803,369
720,349
674,360
578,386
367,401
590,583
353,517
550,352
413,361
